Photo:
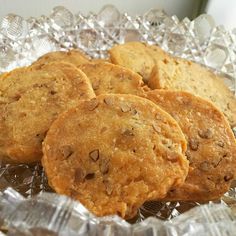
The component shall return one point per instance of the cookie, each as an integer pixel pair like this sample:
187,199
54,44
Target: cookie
179,74
114,152
109,78
211,145
134,56
76,57
30,100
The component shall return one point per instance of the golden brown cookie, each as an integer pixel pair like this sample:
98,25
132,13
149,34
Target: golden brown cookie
75,57
30,99
179,74
134,56
114,152
211,145
110,78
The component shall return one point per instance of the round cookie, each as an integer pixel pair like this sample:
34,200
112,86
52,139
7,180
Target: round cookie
76,57
114,152
110,78
30,100
137,56
211,145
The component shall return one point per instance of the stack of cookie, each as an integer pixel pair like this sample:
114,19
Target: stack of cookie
114,134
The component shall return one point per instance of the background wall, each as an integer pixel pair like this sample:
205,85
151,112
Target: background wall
28,8
224,12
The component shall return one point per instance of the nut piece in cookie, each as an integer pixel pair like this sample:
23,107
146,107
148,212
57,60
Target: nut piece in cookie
211,145
119,160
32,99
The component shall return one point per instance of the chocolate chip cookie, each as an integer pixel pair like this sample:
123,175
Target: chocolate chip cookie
109,78
211,145
30,100
114,152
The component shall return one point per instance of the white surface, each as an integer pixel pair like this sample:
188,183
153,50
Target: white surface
224,12
36,8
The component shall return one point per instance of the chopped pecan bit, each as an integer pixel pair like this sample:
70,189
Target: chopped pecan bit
95,85
134,112
66,151
104,166
92,104
156,127
94,155
110,86
206,134
40,137
193,144
79,175
128,132
205,166
216,163
108,101
90,176
55,113
125,108
220,143
157,116
228,177
81,94
103,129
188,155
173,157
227,156
73,193
134,150
213,99
165,61
52,92
16,97
40,86
108,187
167,142
22,114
